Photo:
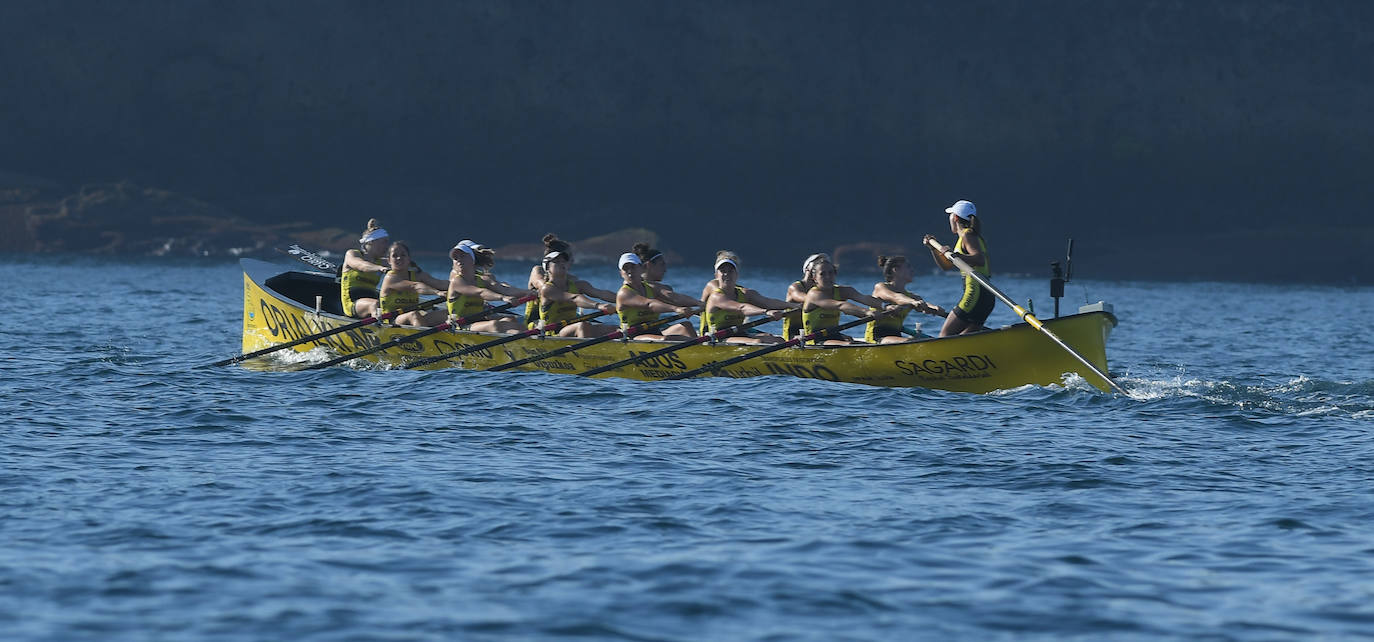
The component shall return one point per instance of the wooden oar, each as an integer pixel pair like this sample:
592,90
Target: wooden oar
552,327
717,335
423,305
418,335
627,333
1025,315
819,334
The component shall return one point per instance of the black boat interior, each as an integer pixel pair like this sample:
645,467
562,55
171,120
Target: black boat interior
303,287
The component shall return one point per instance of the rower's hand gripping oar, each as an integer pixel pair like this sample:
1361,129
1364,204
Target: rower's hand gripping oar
418,335
723,333
629,332
423,305
552,327
819,334
1024,314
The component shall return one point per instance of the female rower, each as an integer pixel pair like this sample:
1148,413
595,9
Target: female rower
896,275
469,290
638,302
729,303
362,272
402,286
796,293
561,294
827,300
977,303
655,267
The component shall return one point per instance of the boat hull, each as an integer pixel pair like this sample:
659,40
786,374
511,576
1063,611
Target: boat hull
275,312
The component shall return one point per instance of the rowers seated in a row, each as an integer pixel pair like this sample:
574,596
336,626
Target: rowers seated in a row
728,303
561,294
469,289
827,300
402,286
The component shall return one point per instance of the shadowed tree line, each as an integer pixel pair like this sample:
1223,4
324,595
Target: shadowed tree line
1170,139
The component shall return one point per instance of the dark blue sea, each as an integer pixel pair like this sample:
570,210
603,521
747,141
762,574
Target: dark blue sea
1232,498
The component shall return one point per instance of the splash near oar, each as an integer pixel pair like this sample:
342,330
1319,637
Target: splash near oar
552,327
423,305
710,336
418,335
1025,315
715,366
627,333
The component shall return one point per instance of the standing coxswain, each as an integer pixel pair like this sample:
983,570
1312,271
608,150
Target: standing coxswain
977,303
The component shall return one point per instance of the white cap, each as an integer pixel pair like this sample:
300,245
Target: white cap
725,260
630,258
373,235
962,209
465,246
811,260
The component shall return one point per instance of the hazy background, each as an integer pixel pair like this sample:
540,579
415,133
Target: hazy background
1217,140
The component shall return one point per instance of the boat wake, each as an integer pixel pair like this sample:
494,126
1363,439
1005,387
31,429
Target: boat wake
1299,396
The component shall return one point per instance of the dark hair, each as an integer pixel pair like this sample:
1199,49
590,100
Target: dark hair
889,264
485,257
974,223
372,224
554,244
646,253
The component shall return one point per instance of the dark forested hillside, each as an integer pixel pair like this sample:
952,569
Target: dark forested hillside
1172,139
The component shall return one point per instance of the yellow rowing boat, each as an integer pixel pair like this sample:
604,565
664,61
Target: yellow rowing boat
281,306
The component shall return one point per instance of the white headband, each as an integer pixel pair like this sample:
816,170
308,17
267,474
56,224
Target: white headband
373,235
552,255
726,260
811,260
464,245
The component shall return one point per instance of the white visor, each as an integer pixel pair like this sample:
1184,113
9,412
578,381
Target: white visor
629,258
725,261
464,246
378,233
552,255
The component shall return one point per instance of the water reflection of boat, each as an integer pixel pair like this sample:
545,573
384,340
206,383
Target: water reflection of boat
281,305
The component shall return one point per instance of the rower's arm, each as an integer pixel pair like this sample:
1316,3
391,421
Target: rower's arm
854,295
939,255
677,298
626,299
425,278
796,294
815,299
353,260
755,298
536,277
720,300
588,289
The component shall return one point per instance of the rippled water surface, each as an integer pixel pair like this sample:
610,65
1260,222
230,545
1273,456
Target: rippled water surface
144,499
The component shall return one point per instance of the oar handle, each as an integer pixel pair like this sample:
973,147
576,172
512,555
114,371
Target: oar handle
631,331
717,365
1024,314
718,334
503,340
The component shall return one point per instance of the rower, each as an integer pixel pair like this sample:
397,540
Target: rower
561,293
469,290
977,303
655,267
362,272
639,303
729,303
402,286
896,276
826,301
796,293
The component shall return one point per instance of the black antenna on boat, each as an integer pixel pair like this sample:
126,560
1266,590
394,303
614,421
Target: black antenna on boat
1059,277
